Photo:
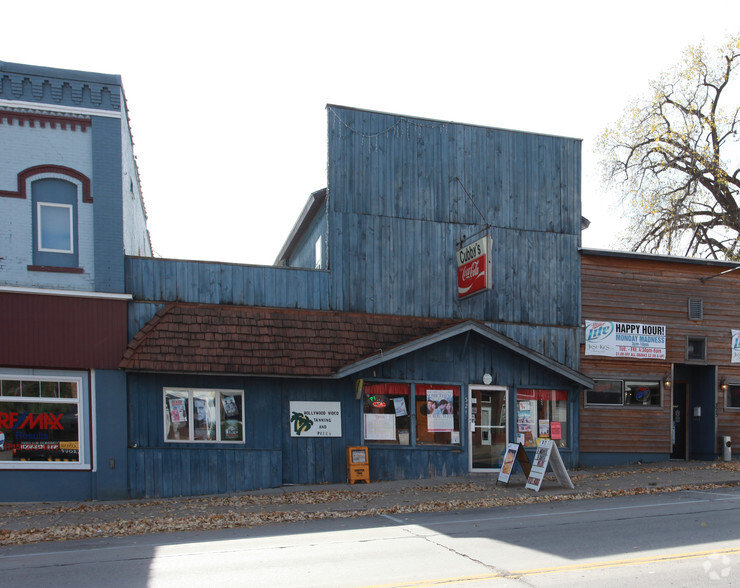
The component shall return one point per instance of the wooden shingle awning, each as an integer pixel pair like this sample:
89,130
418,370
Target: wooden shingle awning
221,339
286,342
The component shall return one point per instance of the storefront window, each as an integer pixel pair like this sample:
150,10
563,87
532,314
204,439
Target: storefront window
388,418
624,393
542,414
215,416
605,392
641,393
40,421
733,396
386,413
437,415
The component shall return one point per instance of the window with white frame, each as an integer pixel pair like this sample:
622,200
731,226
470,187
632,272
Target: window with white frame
203,416
55,222
55,229
41,420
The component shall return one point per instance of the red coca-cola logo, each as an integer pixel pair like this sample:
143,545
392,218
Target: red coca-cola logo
470,271
471,277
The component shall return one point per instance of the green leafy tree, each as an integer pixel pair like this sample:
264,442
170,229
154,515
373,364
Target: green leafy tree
674,156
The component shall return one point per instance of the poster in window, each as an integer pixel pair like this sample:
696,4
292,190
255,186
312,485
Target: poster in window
735,346
544,428
380,427
440,417
178,412
230,407
399,404
555,431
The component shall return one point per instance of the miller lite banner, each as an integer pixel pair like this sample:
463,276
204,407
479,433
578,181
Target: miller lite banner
474,268
614,339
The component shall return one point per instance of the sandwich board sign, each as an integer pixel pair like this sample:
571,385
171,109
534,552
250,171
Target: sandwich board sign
547,452
514,452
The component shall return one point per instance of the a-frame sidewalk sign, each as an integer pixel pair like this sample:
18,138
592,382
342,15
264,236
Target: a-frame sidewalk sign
514,453
547,452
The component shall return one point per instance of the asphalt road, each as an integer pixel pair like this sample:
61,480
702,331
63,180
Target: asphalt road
687,538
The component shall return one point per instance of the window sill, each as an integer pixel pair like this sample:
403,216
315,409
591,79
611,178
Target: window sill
622,406
51,268
412,447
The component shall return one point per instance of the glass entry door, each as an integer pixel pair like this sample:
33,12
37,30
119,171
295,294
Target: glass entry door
488,430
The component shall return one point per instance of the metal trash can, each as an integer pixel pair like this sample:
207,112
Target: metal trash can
726,448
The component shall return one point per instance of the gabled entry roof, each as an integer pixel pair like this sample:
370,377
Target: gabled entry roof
285,342
462,328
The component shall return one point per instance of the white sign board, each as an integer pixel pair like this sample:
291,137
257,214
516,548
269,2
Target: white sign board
315,419
380,427
614,339
547,452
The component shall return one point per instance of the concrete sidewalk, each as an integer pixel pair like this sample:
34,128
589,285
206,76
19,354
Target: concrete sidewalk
33,522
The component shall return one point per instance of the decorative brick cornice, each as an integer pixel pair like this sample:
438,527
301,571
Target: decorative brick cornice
61,87
49,169
53,121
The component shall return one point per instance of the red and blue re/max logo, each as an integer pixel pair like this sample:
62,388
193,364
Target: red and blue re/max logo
28,420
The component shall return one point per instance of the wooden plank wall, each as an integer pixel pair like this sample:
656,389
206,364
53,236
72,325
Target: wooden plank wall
655,290
268,457
394,179
461,360
396,211
157,281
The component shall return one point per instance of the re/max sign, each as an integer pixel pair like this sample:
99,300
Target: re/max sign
27,420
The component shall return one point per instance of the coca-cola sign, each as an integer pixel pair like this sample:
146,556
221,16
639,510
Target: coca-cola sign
473,271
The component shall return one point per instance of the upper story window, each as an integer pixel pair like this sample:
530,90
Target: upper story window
696,348
55,227
55,223
318,253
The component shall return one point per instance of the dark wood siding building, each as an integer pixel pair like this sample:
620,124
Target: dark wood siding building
692,405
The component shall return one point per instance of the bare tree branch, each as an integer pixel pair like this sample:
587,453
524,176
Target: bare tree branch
672,156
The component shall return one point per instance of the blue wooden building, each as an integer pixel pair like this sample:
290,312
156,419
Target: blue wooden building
426,305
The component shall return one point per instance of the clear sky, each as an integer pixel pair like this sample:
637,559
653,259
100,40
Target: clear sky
227,99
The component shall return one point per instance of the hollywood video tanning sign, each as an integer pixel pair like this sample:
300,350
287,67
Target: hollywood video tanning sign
474,268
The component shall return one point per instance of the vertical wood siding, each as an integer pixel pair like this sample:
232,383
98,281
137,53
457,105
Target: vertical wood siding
169,280
398,205
269,455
